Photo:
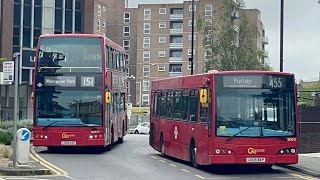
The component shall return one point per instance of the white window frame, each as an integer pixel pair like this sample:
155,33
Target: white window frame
126,33
146,56
104,8
190,23
98,25
147,16
148,101
209,22
146,73
190,8
189,66
126,20
189,52
146,42
126,47
103,24
161,68
145,85
165,10
190,36
208,10
162,54
99,10
162,39
146,30
162,25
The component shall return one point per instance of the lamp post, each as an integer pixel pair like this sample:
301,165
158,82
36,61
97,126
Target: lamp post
192,37
281,35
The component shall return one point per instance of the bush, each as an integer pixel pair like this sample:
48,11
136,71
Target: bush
5,137
6,129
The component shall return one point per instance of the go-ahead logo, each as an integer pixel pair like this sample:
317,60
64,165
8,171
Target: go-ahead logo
254,151
66,136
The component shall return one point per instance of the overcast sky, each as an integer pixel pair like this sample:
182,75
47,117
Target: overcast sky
301,33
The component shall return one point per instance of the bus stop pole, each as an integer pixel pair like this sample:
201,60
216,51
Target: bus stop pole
15,112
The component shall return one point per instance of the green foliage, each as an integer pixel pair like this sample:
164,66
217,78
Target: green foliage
306,98
3,59
230,41
5,137
6,129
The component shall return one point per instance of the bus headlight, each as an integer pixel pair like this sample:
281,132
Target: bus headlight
90,137
287,151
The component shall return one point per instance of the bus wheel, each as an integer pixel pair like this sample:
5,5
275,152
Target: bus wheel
120,139
162,146
136,132
193,154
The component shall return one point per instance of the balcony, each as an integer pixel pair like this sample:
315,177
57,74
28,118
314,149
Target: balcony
176,45
175,74
176,16
176,31
265,40
175,59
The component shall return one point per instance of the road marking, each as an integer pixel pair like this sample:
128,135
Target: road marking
154,157
185,170
61,171
162,161
304,177
173,165
201,177
45,165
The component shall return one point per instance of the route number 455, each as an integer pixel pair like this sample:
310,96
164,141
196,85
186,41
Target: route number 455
275,82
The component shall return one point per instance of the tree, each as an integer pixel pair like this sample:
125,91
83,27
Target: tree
2,59
309,95
229,41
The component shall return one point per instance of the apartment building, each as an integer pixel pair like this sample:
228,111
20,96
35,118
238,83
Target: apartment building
158,39
23,21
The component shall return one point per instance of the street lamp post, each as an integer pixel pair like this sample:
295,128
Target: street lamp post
281,34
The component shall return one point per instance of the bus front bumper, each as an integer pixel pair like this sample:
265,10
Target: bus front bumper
78,142
262,159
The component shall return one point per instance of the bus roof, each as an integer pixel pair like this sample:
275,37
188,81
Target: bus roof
196,80
108,41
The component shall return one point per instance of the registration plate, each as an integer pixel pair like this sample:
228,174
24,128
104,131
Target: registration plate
255,159
68,143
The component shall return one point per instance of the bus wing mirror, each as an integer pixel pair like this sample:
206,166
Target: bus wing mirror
203,96
108,97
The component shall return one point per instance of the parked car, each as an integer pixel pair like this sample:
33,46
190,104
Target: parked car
142,128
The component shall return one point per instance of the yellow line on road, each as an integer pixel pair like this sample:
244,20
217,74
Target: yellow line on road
173,165
162,161
61,171
201,177
304,177
185,170
45,165
154,157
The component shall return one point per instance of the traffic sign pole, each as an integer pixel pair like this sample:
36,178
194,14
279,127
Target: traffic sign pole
15,115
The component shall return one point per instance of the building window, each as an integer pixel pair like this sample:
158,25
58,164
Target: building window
208,10
190,36
162,10
126,31
162,54
147,14
104,8
98,24
190,8
146,56
175,68
208,24
162,40
189,52
126,17
161,68
145,85
146,42
146,28
162,25
126,45
189,66
99,10
146,71
194,23
145,99
103,24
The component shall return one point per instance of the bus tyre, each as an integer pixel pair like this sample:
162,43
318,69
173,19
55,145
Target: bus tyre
162,146
193,154
120,139
136,132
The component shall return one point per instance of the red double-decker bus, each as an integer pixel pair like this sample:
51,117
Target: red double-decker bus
240,117
79,91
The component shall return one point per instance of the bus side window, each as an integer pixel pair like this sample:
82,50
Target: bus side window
158,103
169,105
118,60
204,110
193,105
111,104
154,95
109,56
163,104
177,105
114,64
184,105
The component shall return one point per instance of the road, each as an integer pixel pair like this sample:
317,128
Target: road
135,159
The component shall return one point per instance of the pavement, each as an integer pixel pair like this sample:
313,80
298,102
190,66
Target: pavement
308,164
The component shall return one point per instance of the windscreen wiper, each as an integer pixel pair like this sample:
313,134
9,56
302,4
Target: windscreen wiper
49,125
229,138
